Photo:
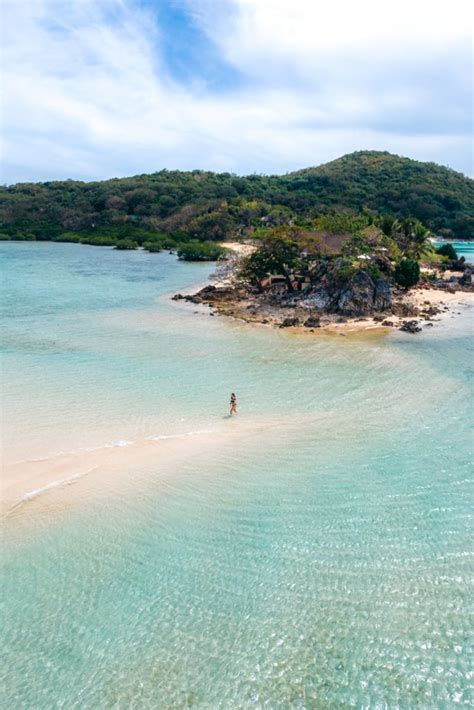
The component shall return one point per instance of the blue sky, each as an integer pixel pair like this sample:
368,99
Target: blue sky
105,88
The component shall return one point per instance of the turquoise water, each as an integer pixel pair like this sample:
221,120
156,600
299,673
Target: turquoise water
315,552
463,248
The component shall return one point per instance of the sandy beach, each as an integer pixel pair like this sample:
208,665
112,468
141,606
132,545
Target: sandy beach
419,300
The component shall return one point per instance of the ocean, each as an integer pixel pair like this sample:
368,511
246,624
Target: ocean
313,552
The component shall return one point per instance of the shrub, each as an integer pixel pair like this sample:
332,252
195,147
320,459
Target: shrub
4,237
199,251
374,272
67,237
345,273
126,244
447,250
407,273
158,243
153,246
99,241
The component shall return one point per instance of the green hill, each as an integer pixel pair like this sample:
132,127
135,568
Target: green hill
438,196
213,206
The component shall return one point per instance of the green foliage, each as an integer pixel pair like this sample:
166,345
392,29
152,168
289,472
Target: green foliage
346,195
373,271
447,250
126,244
277,255
214,226
340,222
407,273
200,251
411,236
67,237
102,241
153,246
4,237
345,273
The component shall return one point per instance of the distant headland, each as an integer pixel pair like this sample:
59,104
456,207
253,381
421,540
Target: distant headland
186,210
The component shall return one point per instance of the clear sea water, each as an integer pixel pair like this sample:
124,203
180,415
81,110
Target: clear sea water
463,248
314,552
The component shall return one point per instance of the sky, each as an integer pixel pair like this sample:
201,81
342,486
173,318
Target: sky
93,89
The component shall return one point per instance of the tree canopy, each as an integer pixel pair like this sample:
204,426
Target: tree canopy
206,206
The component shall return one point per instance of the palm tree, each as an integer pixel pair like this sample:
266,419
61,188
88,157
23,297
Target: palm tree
411,236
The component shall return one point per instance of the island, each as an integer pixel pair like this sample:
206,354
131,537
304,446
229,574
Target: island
340,273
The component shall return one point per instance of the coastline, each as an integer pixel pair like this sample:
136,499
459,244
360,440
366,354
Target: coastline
422,305
25,481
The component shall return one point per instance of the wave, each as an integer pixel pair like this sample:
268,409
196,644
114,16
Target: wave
161,437
74,478
60,483
117,443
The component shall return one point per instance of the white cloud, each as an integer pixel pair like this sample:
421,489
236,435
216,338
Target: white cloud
87,92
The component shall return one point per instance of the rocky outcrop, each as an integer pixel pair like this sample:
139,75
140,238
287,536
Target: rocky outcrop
211,294
383,295
312,322
404,309
357,297
319,299
410,326
290,322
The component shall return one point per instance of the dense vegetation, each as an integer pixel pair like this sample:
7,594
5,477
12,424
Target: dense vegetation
379,246
169,209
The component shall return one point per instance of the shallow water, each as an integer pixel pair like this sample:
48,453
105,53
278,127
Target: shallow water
314,552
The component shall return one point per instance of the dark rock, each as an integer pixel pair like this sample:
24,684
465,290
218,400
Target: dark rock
429,325
431,311
388,323
177,297
312,322
403,310
290,322
460,264
410,326
357,297
319,299
377,319
383,295
193,299
384,264
466,278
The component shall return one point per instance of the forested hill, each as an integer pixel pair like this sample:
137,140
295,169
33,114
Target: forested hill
209,206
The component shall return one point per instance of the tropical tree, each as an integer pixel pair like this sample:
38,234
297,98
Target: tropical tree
447,250
407,273
276,255
411,236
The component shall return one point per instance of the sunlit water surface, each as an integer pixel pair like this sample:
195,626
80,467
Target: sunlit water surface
316,552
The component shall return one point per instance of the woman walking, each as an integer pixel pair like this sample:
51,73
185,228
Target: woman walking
233,404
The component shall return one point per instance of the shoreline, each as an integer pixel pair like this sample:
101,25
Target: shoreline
445,303
28,480
420,306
